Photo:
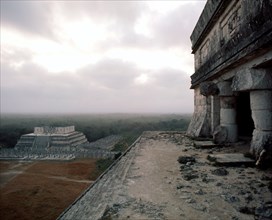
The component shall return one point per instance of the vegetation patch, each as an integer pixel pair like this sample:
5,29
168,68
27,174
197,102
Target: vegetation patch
94,126
101,165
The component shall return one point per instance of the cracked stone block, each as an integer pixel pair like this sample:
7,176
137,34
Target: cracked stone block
261,100
252,79
208,88
262,119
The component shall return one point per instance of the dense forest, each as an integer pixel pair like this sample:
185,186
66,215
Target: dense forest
94,126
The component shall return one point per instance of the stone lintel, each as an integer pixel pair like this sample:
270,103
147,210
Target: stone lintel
252,79
208,88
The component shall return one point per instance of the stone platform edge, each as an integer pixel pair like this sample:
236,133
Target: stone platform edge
99,178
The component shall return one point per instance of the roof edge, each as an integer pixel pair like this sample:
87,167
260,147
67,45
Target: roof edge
206,21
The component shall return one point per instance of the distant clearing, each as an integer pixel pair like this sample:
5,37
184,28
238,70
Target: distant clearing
42,190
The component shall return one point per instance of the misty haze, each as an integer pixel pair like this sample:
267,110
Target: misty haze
134,109
97,57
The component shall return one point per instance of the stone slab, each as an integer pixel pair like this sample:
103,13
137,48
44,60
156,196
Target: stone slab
234,159
205,144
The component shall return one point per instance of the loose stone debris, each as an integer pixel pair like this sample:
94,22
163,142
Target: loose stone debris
186,159
149,183
220,172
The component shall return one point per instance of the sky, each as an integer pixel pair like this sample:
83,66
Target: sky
97,56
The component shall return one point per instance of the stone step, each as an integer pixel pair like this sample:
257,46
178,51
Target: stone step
205,144
230,159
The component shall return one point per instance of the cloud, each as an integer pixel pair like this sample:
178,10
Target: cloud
171,78
95,56
15,56
122,12
32,17
111,73
93,89
174,29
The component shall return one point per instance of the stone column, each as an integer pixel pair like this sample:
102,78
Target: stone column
259,82
200,123
228,118
227,132
261,106
215,112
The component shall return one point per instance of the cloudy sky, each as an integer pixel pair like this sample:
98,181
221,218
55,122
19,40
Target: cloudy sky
97,56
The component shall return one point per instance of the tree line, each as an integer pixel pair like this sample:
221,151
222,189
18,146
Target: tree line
129,126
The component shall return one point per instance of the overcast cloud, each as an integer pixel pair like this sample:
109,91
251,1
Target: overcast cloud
97,56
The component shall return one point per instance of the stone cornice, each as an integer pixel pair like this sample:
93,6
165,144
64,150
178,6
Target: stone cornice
236,51
209,16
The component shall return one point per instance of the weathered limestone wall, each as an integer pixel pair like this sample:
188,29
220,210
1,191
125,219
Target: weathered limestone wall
64,137
232,35
54,130
200,124
232,44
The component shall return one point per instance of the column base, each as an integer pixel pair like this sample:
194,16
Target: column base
226,133
261,140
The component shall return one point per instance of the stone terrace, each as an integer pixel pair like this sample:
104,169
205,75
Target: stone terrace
148,182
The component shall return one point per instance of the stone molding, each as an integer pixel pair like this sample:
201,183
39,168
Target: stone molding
254,36
212,10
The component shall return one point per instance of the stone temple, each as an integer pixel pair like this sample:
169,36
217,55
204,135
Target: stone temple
232,44
232,47
52,137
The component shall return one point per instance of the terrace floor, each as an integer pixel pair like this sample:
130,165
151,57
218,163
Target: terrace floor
149,183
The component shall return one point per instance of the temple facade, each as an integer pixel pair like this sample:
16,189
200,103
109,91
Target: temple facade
52,137
232,47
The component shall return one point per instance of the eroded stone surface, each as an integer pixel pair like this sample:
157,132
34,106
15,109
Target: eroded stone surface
149,183
259,100
231,44
250,79
208,88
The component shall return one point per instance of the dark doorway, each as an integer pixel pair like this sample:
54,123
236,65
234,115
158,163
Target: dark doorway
244,119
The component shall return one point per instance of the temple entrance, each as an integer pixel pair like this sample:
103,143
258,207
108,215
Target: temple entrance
244,119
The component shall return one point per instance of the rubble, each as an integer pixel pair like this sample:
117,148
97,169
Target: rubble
197,186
